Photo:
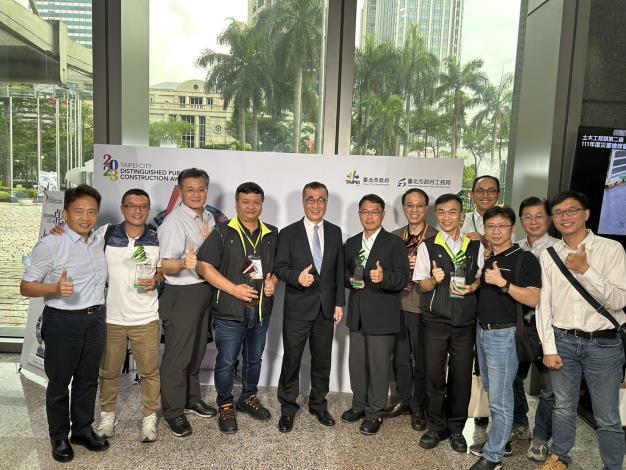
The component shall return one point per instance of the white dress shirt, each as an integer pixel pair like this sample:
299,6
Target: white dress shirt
563,307
473,223
310,227
541,244
368,243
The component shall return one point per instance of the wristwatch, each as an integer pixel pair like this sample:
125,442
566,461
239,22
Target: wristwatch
505,288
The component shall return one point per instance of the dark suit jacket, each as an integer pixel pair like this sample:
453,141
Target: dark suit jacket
293,255
376,308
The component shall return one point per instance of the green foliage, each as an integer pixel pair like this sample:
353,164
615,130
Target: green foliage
169,131
4,195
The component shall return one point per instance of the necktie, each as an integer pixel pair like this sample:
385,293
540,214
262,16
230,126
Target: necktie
317,249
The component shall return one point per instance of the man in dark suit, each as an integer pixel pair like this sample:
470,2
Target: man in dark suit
373,311
309,260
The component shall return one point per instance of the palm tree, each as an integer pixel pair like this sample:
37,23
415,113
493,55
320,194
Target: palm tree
456,83
384,127
241,76
292,29
496,101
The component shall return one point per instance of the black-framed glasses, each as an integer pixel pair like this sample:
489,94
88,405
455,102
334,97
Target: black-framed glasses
136,207
490,191
310,201
571,211
365,213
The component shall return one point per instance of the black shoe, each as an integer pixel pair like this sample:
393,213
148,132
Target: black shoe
418,420
477,449
179,426
352,415
91,441
253,407
201,409
431,439
481,422
62,450
227,419
369,427
285,423
323,417
397,409
484,464
458,442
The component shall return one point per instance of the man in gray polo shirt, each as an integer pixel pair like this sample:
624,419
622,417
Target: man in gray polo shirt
184,305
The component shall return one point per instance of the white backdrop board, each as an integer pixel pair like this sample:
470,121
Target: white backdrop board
282,176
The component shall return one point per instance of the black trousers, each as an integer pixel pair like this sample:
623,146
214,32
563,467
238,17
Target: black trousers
319,332
184,311
450,356
408,361
73,349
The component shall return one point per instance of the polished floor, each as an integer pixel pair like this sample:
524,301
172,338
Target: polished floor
24,441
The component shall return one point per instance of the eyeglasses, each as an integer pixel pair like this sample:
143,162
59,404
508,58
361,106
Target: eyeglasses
191,191
490,191
537,217
136,207
410,207
320,201
571,211
365,213
499,228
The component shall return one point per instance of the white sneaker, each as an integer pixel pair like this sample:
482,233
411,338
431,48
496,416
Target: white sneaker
149,428
538,450
520,433
107,424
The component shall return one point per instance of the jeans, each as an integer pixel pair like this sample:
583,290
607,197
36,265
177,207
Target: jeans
229,337
497,357
543,414
600,360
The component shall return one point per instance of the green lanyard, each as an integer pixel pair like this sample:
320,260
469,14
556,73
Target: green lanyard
460,256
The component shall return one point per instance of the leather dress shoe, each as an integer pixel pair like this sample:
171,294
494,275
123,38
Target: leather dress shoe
369,427
432,439
201,409
458,442
397,409
62,450
352,415
418,420
323,417
179,425
285,423
91,441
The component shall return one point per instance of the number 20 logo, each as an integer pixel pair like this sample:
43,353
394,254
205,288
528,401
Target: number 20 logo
110,167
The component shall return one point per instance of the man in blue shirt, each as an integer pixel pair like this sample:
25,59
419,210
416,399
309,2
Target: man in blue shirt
70,272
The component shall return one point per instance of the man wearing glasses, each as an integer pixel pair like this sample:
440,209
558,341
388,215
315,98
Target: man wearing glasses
448,268
184,305
485,195
577,340
408,350
511,276
309,260
376,270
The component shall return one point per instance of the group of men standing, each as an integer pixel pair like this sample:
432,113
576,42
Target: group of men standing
423,302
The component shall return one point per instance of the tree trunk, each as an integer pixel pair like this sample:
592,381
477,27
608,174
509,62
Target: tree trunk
242,126
255,128
407,110
494,134
297,108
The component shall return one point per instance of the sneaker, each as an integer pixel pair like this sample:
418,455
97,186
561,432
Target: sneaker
149,428
201,409
179,426
520,433
554,463
227,419
477,449
484,464
538,450
253,407
108,422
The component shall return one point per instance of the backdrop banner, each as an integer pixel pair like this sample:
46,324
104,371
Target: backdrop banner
282,176
33,346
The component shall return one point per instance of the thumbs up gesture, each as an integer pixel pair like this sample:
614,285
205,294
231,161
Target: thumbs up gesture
65,287
577,261
190,261
269,287
376,275
494,276
306,278
437,273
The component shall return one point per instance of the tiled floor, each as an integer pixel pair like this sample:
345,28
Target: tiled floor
24,441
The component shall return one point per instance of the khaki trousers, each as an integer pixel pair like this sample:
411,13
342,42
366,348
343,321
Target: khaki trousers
144,344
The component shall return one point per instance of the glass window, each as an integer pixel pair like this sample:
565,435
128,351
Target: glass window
261,68
188,136
202,131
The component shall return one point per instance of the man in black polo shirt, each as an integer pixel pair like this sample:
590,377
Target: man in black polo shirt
511,276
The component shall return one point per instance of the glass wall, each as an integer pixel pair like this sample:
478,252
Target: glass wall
46,128
241,75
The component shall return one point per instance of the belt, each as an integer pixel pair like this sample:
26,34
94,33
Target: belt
87,311
496,326
607,334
